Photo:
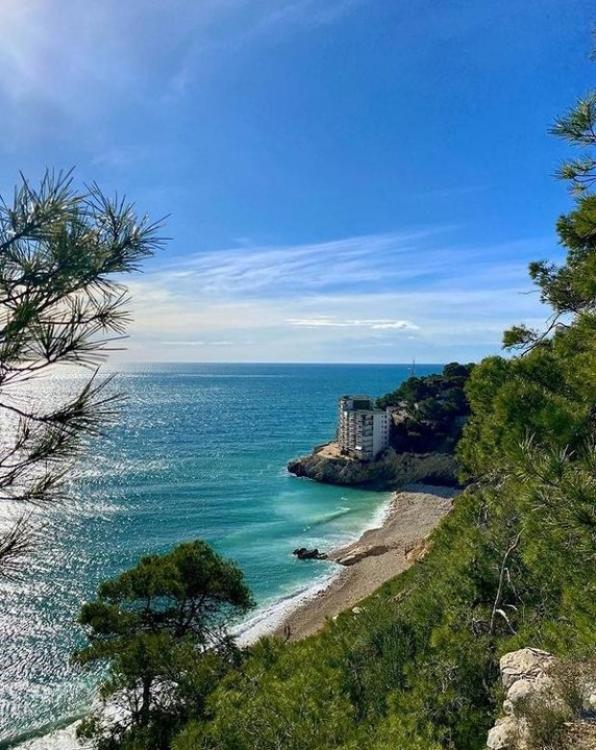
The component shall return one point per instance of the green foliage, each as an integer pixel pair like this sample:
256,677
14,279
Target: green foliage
546,396
577,128
545,724
160,628
570,288
432,410
551,715
60,302
264,709
520,337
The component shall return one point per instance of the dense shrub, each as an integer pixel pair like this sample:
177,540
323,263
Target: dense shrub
432,410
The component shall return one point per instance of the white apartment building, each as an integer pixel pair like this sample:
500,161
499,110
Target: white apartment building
362,429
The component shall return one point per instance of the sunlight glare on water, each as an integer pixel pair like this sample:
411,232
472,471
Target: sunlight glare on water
198,451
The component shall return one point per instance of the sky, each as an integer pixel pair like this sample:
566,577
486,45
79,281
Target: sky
344,180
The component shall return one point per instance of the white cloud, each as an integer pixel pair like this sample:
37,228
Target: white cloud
405,261
358,262
195,342
396,325
375,325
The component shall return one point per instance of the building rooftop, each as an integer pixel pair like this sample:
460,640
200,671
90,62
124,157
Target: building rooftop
361,402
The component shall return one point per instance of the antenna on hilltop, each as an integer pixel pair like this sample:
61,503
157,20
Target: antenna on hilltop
413,368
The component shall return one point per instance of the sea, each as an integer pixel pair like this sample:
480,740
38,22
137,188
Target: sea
197,451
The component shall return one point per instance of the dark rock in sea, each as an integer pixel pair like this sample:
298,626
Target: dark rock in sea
302,553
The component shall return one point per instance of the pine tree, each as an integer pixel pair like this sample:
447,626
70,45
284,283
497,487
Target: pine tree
62,253
569,289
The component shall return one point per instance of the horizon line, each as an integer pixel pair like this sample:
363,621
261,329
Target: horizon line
276,362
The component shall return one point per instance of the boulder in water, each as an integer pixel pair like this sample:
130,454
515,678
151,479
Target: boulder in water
302,553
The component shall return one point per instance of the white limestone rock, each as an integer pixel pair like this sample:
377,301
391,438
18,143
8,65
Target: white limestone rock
504,735
525,675
526,688
528,663
589,696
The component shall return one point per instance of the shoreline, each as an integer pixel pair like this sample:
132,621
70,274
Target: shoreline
364,565
272,615
263,623
383,550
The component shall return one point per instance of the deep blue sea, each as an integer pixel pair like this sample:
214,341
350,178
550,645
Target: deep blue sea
198,451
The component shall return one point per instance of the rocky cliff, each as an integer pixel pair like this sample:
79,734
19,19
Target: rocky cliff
390,471
548,703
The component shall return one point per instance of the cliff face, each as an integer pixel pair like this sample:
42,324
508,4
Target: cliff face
390,471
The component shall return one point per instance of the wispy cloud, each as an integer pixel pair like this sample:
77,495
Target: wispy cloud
373,325
235,24
399,261
117,158
304,13
389,296
195,342
450,192
288,270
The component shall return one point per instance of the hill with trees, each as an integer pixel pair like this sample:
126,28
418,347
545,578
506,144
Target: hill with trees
430,410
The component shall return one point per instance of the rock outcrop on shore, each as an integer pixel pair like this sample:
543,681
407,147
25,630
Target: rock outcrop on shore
390,471
538,709
302,553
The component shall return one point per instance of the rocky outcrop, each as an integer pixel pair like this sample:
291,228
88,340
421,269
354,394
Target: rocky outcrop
526,665
302,553
359,552
538,705
390,471
417,550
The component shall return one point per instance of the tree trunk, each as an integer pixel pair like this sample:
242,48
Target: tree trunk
146,701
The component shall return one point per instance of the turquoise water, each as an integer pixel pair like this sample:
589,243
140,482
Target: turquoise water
199,451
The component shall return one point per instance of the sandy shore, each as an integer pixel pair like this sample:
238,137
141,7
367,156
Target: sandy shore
379,554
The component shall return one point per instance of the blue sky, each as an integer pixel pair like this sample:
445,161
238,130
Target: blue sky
347,180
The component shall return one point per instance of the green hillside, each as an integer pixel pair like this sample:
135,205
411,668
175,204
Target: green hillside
432,410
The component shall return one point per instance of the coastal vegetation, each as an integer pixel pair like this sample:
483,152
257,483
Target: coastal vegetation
416,666
432,410
62,255
161,628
